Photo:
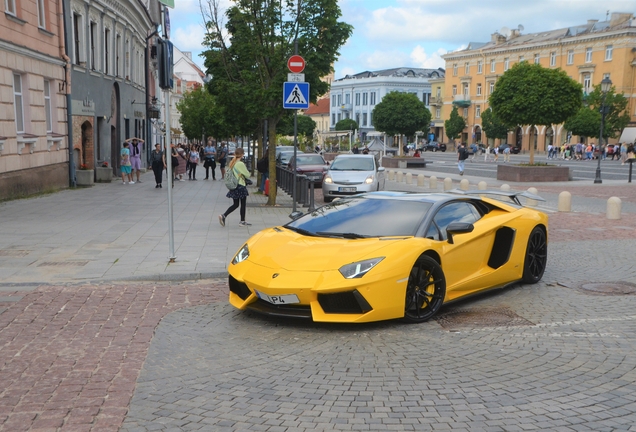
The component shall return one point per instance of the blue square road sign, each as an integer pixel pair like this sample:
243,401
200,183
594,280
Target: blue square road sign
295,95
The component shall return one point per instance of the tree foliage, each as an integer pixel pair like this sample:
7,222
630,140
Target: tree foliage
200,114
529,94
247,56
454,125
346,125
401,114
305,126
493,126
586,122
617,116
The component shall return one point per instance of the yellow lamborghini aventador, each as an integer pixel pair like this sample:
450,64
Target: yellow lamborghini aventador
385,255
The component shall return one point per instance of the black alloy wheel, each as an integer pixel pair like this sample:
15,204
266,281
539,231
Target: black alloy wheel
425,291
536,256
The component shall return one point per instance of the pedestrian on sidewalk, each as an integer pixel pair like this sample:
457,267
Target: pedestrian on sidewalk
209,153
506,154
496,153
486,154
125,164
263,167
158,162
194,162
222,159
135,156
623,153
239,194
475,149
183,161
462,155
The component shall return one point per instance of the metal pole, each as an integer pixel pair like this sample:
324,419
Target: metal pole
295,154
597,179
168,153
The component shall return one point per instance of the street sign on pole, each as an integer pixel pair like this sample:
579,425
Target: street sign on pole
295,95
296,64
293,77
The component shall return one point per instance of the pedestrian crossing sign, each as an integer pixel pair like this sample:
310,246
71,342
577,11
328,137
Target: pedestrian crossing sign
295,95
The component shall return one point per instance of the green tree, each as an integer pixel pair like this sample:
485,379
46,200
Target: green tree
200,114
346,125
454,125
493,127
617,116
401,114
248,48
529,94
586,122
305,126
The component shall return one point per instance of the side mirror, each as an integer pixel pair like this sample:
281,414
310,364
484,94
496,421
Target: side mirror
295,215
458,228
380,169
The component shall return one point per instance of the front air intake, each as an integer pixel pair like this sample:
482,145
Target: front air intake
350,302
239,288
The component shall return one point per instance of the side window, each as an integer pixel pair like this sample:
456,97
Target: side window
453,212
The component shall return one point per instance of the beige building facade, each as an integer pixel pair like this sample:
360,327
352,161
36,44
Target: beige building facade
587,53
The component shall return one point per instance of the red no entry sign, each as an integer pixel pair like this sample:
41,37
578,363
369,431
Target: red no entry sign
296,64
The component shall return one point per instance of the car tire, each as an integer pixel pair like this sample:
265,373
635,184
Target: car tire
536,256
425,290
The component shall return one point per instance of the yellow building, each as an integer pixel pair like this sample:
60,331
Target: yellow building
437,104
587,53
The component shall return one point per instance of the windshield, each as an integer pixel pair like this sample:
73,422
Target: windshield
363,217
310,160
353,164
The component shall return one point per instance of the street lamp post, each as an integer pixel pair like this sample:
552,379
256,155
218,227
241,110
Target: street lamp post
606,85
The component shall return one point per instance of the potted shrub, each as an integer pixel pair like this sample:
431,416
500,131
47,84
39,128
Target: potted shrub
103,173
85,176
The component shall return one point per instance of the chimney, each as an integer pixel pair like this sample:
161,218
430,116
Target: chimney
591,22
497,38
514,33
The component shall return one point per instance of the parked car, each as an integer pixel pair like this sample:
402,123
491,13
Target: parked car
284,157
351,174
390,255
310,164
515,149
434,146
280,149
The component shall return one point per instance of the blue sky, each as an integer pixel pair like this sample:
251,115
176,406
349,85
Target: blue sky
415,33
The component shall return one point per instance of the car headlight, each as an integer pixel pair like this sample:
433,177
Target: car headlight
369,180
358,269
241,255
328,180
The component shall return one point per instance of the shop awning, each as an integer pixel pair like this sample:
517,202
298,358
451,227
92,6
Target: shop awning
628,135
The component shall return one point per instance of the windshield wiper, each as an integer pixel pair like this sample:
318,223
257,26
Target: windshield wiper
343,235
302,231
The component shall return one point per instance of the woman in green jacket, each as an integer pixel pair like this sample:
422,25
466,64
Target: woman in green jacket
239,195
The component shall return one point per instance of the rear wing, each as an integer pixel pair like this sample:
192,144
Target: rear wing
513,196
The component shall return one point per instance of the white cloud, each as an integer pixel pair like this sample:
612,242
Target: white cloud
188,38
423,60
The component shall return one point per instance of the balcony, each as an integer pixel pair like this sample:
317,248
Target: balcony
461,100
436,101
346,107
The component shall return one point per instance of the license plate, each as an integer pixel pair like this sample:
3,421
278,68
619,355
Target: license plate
346,189
278,299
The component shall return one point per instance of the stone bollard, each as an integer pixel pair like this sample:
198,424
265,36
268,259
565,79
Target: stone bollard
565,202
420,179
464,185
482,185
399,176
391,175
614,208
448,183
531,202
432,183
505,187
409,178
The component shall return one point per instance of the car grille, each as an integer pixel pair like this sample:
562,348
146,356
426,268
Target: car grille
350,302
292,311
239,288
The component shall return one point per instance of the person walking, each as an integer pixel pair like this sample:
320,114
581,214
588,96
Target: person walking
496,153
506,154
158,162
135,156
462,155
194,162
263,167
183,160
474,149
239,194
222,159
209,152
125,164
486,153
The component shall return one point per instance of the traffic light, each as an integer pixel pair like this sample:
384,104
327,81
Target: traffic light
165,63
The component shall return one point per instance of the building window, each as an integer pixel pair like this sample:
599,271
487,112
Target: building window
357,99
608,52
587,83
358,118
333,101
479,67
365,98
77,38
522,59
426,98
465,91
438,112
491,88
553,58
571,57
467,68
536,58
107,51
93,36
333,119
455,69
478,89
492,65
18,103
588,55
47,105
338,117
372,98
41,14
347,99
339,99
465,113
364,119
506,64
9,7
127,61
606,76
438,93
454,89
371,118
477,111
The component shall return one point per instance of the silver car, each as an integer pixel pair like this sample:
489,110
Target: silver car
351,174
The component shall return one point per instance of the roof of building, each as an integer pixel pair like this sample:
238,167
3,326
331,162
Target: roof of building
507,38
321,107
399,72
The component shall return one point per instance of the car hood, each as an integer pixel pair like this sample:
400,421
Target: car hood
349,176
287,250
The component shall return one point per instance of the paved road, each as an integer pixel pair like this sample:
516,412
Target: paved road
89,343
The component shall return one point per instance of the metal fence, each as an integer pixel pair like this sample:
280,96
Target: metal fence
304,186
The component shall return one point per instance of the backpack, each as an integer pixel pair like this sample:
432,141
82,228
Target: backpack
262,165
230,179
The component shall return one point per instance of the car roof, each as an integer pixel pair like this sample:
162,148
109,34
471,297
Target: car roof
358,156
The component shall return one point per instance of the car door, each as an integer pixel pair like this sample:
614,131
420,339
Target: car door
464,261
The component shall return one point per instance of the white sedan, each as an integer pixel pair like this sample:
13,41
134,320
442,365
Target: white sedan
351,174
